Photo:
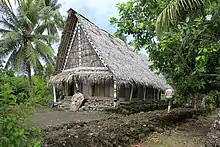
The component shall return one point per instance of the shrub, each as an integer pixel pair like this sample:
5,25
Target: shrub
14,128
41,93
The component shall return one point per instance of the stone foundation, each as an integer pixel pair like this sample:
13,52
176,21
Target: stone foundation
106,103
90,104
96,105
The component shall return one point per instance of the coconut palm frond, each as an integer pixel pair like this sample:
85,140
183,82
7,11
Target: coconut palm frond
43,48
45,51
47,37
16,59
10,42
33,58
169,16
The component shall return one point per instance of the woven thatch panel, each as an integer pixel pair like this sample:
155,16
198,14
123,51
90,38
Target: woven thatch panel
89,57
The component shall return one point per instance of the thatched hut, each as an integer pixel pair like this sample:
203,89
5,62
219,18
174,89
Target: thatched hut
100,65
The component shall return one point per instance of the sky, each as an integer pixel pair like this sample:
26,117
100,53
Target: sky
97,11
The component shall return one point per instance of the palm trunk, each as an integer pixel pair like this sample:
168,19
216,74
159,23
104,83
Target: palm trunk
30,84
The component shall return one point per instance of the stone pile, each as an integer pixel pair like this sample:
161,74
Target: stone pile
96,105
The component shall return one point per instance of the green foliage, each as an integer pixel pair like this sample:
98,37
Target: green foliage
211,100
188,52
14,131
27,32
194,66
177,10
137,18
14,128
40,94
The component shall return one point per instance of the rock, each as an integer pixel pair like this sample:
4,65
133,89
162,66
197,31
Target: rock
77,101
213,137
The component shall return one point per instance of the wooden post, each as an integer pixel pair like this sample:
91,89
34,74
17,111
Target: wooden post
132,89
145,92
115,94
54,94
76,84
154,94
158,95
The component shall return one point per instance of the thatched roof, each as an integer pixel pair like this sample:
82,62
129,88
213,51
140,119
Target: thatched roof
125,65
68,76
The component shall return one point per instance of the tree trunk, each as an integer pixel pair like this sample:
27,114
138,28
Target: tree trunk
30,84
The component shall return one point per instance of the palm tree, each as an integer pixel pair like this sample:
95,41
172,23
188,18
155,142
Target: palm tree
21,42
174,10
53,20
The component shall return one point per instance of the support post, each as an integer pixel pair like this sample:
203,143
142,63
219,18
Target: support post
158,95
154,94
54,94
145,92
132,89
66,89
115,94
76,84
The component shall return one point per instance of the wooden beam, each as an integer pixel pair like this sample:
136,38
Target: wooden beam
70,46
54,94
131,94
87,68
65,40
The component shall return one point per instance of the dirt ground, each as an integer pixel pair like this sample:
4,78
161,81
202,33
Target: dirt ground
103,129
190,134
112,132
46,117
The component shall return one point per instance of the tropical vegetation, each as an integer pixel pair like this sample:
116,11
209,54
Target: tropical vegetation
28,29
181,38
27,33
